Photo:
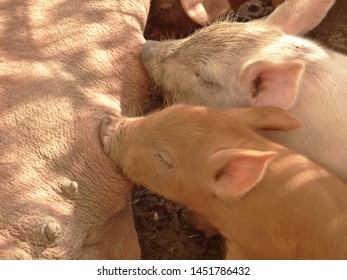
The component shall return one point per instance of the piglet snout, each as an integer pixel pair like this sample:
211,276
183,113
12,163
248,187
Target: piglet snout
150,49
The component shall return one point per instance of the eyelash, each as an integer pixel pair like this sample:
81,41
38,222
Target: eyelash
201,79
164,160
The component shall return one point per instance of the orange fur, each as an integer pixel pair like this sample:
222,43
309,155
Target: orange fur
267,201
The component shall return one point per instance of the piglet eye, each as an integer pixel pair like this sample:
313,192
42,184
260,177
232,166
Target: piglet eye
164,159
204,81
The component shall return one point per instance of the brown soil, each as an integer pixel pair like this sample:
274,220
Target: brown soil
165,229
166,232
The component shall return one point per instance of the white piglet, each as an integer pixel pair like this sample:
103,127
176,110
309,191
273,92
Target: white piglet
264,63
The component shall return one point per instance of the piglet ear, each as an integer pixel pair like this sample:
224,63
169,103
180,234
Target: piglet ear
236,171
271,84
205,11
297,17
265,118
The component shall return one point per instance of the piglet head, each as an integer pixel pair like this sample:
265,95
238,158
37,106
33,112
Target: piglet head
230,64
190,153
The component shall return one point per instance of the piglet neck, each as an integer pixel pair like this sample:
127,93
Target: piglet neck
298,211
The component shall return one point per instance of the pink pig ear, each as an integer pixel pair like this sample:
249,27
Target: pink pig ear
205,11
236,171
300,16
271,84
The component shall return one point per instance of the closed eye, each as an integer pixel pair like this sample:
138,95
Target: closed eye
207,82
164,159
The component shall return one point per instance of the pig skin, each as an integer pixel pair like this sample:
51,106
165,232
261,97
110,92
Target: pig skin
63,66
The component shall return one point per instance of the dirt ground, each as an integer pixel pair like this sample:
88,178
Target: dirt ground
164,228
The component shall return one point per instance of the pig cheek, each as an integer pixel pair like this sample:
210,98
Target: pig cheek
161,170
170,81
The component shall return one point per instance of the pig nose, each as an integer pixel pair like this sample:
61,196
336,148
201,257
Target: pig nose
150,50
